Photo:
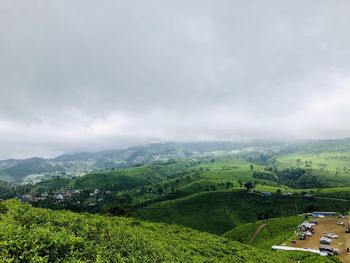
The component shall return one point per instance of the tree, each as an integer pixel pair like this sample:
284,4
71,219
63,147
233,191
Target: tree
298,161
249,185
117,210
240,183
160,190
251,167
229,185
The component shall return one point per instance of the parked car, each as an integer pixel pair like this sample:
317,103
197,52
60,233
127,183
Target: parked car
330,251
302,236
308,233
340,223
347,230
325,240
314,222
331,235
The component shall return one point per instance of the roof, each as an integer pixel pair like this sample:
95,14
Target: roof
307,225
285,248
326,213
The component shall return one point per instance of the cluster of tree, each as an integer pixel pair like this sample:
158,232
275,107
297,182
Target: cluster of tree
296,178
6,190
226,186
259,157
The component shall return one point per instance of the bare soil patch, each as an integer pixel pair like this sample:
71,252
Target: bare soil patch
329,225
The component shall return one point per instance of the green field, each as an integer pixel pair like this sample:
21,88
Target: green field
329,161
332,168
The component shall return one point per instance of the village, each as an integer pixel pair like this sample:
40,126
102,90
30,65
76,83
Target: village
72,196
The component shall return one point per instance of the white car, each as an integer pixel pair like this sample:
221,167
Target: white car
325,240
332,235
340,223
308,233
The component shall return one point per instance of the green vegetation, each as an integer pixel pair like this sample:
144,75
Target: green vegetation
30,166
340,192
120,179
45,186
39,235
265,233
218,212
217,192
6,190
332,168
296,178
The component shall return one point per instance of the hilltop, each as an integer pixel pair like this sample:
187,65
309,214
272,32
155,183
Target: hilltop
283,154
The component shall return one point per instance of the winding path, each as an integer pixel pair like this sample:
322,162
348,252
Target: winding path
257,231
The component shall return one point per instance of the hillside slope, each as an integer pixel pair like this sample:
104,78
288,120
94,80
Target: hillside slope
218,212
265,233
38,235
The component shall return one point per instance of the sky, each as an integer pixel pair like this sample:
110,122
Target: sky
87,75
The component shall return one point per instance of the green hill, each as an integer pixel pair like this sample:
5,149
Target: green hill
39,235
218,212
265,233
120,179
45,186
332,168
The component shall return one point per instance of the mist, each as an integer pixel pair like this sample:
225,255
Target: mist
93,75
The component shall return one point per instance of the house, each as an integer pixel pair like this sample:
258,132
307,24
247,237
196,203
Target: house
265,194
287,194
306,227
323,214
26,198
59,197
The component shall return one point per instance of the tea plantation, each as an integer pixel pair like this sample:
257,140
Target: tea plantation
39,235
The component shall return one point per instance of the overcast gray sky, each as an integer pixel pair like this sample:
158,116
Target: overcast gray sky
79,75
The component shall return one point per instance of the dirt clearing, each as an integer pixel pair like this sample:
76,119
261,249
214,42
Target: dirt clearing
328,225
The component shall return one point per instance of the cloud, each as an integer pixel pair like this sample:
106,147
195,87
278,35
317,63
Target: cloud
87,75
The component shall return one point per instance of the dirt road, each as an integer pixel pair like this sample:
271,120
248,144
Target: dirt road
257,233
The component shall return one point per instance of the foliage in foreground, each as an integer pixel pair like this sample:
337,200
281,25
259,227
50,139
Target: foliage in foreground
39,235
